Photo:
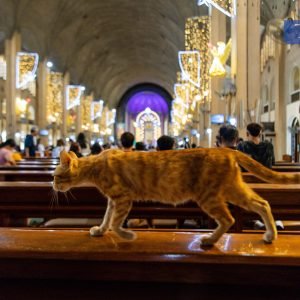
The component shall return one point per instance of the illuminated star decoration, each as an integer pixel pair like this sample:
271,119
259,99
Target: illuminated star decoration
189,62
214,3
73,95
26,66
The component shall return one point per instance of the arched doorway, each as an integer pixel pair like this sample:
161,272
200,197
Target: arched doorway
295,139
145,111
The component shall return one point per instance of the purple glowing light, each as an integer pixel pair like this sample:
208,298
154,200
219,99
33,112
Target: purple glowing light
141,100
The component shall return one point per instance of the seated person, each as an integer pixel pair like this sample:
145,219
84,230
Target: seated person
165,142
95,149
227,137
261,151
6,153
127,139
60,146
76,149
140,146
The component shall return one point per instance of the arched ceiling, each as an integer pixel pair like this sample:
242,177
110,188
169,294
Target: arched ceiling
108,46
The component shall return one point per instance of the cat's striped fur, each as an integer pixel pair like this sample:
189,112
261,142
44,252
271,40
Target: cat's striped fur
210,177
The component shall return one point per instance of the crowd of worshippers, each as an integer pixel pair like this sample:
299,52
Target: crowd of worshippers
228,136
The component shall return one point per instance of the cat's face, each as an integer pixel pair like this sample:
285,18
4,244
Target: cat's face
66,174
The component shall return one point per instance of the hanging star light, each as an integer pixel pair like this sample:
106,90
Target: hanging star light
26,66
227,7
96,109
73,95
189,62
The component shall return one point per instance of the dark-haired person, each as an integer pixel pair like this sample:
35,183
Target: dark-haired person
261,151
165,142
127,139
96,149
30,143
140,146
6,153
81,140
227,137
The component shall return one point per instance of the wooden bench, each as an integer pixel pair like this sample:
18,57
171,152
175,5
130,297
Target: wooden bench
35,199
28,167
29,175
286,168
165,264
42,175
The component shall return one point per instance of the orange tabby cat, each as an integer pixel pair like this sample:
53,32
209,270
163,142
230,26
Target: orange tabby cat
210,177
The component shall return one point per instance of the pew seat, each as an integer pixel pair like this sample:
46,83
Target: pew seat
42,264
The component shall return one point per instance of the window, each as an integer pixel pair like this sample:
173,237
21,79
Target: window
272,95
265,99
295,93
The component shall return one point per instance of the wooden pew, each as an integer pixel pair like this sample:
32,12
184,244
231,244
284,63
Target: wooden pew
42,175
286,168
35,199
36,163
29,175
159,264
29,167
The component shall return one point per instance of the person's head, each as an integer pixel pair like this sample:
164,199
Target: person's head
127,139
165,142
81,140
33,131
96,149
254,131
227,136
60,143
10,144
75,148
140,146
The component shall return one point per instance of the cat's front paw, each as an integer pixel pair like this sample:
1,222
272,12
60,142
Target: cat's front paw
207,240
96,231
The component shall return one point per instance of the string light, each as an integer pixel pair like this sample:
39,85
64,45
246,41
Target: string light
189,62
54,97
96,109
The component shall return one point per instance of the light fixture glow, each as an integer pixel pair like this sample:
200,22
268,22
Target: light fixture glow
49,64
189,62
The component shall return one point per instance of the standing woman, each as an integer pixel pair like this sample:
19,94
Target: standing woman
6,153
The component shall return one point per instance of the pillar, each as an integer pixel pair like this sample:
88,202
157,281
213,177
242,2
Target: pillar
12,46
42,95
65,112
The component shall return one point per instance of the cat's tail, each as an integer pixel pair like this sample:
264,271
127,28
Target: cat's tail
264,173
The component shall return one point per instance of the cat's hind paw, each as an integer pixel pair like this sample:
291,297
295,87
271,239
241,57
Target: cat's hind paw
207,240
126,234
269,237
96,231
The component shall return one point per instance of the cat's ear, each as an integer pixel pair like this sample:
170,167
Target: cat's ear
74,160
65,158
73,155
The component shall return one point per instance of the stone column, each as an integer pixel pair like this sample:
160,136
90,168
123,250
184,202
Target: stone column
253,49
246,59
280,105
42,94
239,60
218,34
12,46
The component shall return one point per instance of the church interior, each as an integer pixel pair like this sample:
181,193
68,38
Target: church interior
79,78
